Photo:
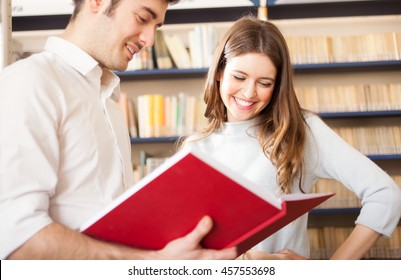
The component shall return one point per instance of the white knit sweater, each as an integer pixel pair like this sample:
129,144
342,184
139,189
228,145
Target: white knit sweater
327,156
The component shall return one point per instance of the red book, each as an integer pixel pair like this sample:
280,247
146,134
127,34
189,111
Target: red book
169,202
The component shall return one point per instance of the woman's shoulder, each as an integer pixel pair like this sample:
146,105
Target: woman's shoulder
194,140
310,116
195,137
313,120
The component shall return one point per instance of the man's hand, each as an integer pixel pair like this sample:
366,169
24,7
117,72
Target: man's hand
188,247
58,242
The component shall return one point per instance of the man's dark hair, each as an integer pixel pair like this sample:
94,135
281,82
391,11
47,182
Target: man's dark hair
113,5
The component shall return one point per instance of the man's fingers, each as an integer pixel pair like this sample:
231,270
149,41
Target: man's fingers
201,230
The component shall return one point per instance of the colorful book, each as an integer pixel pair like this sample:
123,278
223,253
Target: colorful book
170,201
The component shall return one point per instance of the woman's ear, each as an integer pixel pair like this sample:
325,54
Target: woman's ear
218,75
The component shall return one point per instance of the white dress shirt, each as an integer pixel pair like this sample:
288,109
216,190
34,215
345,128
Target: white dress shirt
64,147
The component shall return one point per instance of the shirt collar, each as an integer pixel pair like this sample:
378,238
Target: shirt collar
81,61
72,55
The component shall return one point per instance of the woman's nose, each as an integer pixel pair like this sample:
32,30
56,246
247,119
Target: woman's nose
249,91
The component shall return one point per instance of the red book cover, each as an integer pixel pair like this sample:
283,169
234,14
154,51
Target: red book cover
169,202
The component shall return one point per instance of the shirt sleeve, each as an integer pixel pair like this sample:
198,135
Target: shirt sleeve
380,196
28,155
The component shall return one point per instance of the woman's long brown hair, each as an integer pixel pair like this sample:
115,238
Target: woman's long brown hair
281,127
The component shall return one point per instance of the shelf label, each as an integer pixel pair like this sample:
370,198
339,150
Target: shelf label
284,2
65,7
41,7
196,4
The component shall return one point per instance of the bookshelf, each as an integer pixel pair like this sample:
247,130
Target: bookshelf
332,18
5,33
342,18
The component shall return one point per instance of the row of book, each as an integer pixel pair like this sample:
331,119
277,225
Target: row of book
195,49
147,164
160,116
344,198
156,115
325,240
350,98
172,115
171,50
128,108
356,48
375,140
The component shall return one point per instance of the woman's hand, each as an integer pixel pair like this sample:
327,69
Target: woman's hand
280,255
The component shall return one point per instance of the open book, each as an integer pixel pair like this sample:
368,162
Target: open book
169,202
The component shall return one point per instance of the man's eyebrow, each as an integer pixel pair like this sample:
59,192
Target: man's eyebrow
152,13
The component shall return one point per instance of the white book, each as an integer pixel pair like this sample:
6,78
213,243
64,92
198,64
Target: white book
178,51
133,125
195,47
142,113
174,115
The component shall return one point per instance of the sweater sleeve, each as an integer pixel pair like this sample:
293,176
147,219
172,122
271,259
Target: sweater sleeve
380,196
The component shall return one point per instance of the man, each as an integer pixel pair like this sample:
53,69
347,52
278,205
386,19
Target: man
64,149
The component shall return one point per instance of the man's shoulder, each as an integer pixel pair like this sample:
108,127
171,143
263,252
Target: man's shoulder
35,67
35,61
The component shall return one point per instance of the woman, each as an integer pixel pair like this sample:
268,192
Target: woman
257,127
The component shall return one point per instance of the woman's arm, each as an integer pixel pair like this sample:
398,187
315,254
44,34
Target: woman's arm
354,247
357,244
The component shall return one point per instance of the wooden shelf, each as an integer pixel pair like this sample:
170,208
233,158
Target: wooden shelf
339,217
333,9
172,17
334,217
385,157
293,11
335,115
153,140
157,74
348,66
